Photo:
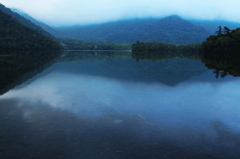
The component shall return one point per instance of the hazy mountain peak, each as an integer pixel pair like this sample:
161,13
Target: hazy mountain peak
173,22
173,17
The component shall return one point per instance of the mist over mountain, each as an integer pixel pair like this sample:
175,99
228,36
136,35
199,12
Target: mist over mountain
38,23
172,29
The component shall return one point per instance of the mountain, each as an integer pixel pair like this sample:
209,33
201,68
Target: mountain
118,31
41,24
171,29
24,21
16,36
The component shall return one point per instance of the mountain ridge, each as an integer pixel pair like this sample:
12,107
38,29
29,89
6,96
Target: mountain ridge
164,30
172,29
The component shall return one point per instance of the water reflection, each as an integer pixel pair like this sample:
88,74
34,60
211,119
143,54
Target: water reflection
105,106
16,67
120,65
155,56
223,64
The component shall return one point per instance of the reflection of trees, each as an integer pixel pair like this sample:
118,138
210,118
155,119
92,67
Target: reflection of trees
14,65
220,52
156,56
120,65
222,73
173,67
89,55
223,64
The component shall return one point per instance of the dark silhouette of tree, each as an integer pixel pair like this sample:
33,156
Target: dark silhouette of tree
226,30
226,40
224,74
219,32
216,71
220,72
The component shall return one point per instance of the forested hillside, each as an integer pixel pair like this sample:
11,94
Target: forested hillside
24,21
66,43
16,36
120,31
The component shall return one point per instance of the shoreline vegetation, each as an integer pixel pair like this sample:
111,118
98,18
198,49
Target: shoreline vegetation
219,52
225,41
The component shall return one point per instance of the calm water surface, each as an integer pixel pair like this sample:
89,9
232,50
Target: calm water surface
104,105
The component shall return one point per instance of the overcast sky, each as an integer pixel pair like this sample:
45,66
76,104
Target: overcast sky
73,12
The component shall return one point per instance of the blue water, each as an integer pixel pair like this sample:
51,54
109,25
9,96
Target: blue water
115,107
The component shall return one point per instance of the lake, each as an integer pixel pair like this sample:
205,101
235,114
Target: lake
114,104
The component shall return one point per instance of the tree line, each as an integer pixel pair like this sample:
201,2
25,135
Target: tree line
160,46
225,41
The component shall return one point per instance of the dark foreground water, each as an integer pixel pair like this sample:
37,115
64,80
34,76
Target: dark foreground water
105,105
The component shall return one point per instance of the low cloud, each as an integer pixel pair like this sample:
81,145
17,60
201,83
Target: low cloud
74,12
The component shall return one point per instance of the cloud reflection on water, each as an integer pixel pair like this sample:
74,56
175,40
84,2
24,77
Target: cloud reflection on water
195,105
